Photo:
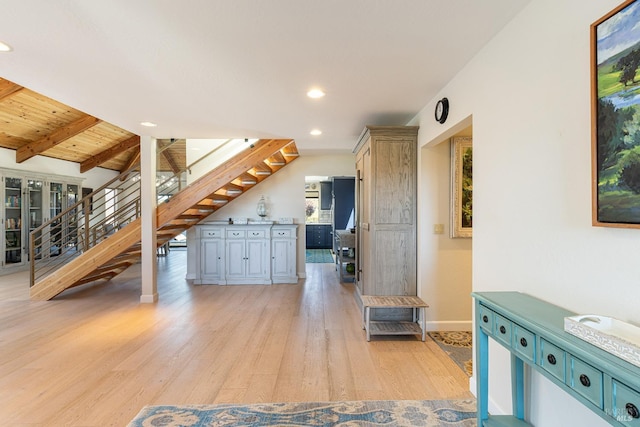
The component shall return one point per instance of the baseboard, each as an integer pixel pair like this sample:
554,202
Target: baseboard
149,299
302,275
190,276
450,325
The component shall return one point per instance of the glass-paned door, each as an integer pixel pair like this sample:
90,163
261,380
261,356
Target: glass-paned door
12,220
33,210
71,219
55,209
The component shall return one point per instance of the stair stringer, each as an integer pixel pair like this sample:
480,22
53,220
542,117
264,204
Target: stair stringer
88,261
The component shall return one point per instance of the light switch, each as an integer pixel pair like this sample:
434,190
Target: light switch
438,228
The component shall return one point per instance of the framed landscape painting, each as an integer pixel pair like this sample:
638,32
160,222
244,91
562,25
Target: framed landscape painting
615,109
461,186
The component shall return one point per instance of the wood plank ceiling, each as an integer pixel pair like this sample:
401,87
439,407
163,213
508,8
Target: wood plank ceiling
32,124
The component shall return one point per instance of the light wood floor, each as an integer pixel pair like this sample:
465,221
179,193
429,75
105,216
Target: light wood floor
96,356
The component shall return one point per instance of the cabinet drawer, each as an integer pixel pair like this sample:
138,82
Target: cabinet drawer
502,330
552,359
626,405
586,380
282,234
235,234
486,320
256,234
524,342
211,234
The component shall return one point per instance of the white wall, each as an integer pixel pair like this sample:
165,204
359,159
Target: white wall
284,192
528,94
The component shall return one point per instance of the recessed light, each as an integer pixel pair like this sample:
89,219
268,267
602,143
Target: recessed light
315,93
5,47
316,132
148,124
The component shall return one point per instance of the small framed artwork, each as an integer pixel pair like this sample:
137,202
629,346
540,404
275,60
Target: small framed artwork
615,112
461,186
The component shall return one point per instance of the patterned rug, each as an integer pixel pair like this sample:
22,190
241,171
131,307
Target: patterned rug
458,345
429,413
319,256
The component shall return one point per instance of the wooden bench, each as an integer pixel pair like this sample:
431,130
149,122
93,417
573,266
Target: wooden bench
375,327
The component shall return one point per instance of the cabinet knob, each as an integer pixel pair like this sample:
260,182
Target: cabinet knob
552,359
503,329
523,342
485,319
584,380
632,410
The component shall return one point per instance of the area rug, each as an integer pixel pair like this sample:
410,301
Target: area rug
429,413
458,345
315,256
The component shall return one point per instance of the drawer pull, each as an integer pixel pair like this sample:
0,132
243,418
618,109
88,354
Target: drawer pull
632,410
552,359
584,380
523,342
503,329
485,319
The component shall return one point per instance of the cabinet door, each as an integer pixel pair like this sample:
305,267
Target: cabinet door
256,262
33,211
327,237
12,221
54,242
280,260
326,189
235,259
211,260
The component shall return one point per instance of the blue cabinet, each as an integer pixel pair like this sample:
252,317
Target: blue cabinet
533,331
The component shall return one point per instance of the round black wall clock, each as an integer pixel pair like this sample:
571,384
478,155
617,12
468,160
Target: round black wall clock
442,110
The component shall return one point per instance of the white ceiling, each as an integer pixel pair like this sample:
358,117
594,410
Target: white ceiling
241,68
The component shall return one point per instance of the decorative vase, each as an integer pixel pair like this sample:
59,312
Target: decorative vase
262,207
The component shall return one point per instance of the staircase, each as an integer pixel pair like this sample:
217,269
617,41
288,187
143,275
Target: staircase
99,237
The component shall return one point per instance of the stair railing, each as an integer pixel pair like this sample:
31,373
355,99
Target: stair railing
86,223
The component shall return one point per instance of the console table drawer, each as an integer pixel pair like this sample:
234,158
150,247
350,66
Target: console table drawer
626,405
524,342
502,330
552,359
586,380
486,319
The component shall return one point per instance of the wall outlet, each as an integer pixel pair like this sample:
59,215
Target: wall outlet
438,228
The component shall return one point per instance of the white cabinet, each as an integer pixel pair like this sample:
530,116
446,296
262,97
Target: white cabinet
245,254
283,254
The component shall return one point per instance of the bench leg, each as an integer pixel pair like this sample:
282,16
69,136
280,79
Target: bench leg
367,319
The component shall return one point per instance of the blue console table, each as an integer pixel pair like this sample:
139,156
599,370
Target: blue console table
533,331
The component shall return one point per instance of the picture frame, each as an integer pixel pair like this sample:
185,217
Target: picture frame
615,108
461,187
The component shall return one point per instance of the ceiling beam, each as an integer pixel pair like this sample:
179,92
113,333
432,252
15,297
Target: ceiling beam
172,162
109,153
8,88
133,159
57,136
